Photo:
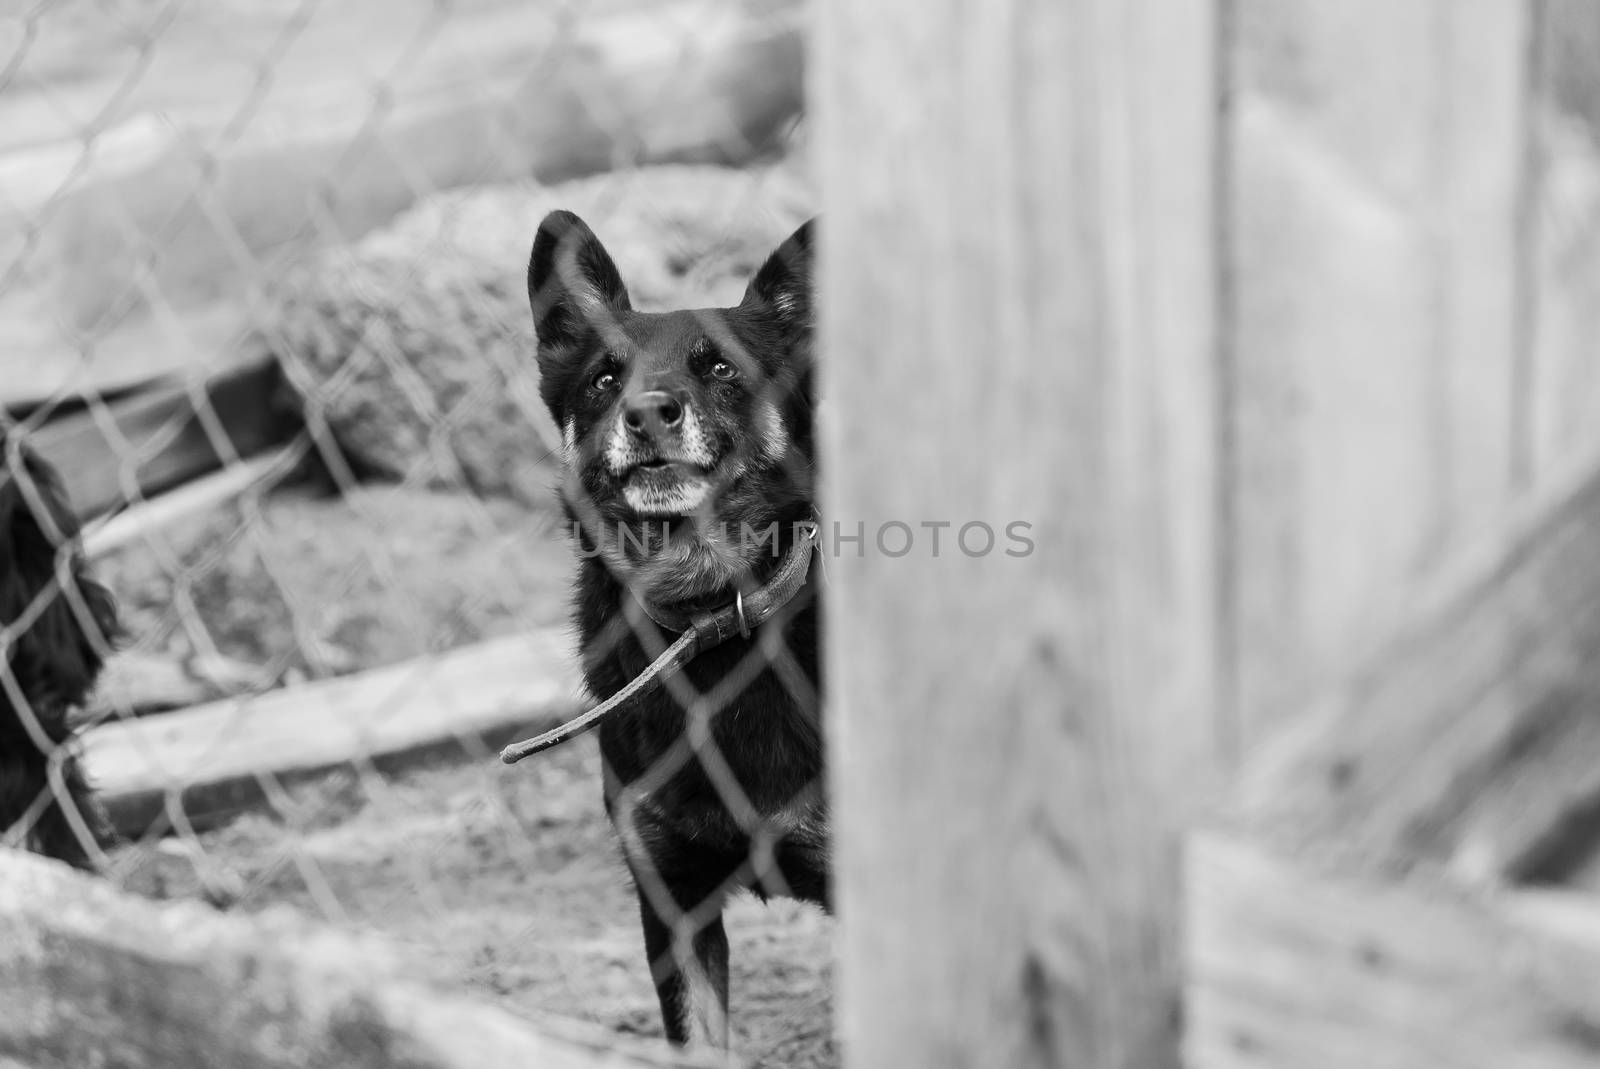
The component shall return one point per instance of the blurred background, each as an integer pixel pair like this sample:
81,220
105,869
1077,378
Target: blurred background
262,302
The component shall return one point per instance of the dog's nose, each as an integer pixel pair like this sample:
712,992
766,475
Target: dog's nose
652,413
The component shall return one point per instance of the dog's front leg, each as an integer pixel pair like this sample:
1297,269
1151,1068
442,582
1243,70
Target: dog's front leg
689,964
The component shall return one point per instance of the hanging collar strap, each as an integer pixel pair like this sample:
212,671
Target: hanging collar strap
700,632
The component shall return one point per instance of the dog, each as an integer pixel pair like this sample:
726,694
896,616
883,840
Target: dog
56,624
689,474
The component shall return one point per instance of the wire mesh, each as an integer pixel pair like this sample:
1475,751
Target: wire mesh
261,282
263,266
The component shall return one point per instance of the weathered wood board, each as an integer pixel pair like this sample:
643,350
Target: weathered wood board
1564,376
144,520
209,762
155,438
1291,966
1468,735
1379,268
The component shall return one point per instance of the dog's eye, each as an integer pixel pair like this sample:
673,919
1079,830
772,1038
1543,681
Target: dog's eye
603,382
723,370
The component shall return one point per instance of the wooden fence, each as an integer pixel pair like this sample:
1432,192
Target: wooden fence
1275,320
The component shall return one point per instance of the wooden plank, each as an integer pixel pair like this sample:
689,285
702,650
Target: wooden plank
1293,967
209,762
201,495
91,976
144,443
1467,736
1564,382
1379,173
1017,291
140,683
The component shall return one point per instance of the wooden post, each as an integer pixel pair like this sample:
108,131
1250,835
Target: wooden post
1018,283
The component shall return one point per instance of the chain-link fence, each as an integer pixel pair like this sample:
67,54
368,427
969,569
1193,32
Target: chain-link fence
263,290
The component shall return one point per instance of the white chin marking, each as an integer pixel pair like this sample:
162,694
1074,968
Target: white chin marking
678,498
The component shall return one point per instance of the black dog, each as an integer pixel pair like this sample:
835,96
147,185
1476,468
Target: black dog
55,624
688,439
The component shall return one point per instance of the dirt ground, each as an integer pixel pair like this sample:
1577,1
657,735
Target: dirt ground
504,882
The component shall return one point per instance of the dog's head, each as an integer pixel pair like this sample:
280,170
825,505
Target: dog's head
684,432
56,622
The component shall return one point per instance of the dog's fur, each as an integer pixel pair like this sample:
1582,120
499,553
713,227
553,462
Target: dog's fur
55,624
684,433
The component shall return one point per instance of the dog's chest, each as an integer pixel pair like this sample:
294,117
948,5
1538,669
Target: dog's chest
756,760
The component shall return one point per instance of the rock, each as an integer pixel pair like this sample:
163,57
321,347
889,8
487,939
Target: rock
414,347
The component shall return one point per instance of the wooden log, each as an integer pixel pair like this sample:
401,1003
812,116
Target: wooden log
204,764
91,976
1379,269
1467,736
164,435
1288,966
1017,294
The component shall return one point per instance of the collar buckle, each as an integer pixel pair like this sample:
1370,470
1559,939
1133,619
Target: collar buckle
738,608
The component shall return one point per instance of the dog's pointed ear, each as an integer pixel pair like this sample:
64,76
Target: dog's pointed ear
784,282
572,283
